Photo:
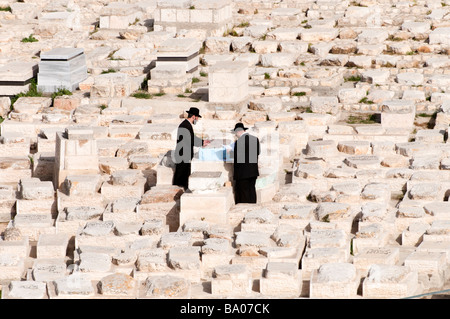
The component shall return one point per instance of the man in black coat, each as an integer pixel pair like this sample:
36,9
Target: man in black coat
246,152
184,151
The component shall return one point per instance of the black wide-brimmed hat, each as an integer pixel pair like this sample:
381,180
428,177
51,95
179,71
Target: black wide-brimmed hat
194,111
238,127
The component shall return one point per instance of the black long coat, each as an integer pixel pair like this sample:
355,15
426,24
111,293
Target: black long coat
184,152
246,152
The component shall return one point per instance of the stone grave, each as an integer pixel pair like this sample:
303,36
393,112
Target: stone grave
61,68
228,83
16,77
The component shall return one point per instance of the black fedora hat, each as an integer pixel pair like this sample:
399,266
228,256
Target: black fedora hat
239,126
194,111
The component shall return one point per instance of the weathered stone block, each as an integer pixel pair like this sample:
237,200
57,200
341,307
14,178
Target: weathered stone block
52,246
339,280
390,281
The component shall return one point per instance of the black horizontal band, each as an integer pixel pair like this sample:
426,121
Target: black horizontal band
63,60
176,58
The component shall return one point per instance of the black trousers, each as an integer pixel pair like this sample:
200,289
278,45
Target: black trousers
245,190
181,175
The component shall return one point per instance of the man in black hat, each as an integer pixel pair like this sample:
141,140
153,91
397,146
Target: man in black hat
246,152
184,151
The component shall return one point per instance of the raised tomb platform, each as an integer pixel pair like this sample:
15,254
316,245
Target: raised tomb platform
211,18
118,15
216,151
228,83
16,77
179,51
62,68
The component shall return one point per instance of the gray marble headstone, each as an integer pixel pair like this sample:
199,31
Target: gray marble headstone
62,68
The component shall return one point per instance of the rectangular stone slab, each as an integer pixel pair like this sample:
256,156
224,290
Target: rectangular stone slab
18,71
181,51
228,82
64,54
16,77
62,68
212,207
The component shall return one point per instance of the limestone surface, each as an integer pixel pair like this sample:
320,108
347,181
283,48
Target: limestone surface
350,101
